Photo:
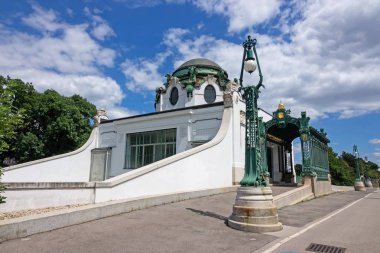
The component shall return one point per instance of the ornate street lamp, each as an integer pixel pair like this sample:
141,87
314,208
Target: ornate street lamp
254,210
367,179
252,175
359,186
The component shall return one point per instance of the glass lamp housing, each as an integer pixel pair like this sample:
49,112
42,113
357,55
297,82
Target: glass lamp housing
249,66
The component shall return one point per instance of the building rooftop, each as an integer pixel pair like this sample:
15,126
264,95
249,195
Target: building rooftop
200,63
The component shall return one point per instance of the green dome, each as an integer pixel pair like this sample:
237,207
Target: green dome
200,62
204,65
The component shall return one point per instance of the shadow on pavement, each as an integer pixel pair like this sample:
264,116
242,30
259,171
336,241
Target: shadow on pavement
209,214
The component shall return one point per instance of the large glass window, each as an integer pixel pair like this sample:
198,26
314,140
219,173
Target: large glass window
148,147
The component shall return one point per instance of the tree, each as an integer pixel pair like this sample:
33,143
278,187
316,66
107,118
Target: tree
349,158
373,173
342,168
52,124
341,172
9,120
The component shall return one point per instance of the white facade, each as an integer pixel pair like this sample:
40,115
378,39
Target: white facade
193,126
208,118
185,100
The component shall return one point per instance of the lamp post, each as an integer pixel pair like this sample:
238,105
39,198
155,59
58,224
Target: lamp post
252,175
359,186
367,179
253,210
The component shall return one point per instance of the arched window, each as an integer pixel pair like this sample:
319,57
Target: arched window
210,94
174,96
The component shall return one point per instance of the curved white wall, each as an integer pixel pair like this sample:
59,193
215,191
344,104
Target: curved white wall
207,166
204,167
69,167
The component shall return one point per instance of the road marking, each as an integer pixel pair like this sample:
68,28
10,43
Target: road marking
286,239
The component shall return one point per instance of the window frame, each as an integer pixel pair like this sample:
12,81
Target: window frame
166,138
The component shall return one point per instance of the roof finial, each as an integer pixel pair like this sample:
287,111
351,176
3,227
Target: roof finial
281,106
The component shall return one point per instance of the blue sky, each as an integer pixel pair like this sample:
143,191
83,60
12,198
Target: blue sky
322,57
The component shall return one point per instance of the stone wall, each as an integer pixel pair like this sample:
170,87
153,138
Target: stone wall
319,188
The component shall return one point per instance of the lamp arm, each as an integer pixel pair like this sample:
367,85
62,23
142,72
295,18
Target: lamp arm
260,83
242,68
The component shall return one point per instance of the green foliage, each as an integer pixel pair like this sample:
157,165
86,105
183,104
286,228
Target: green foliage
341,172
51,124
373,171
298,168
342,168
29,147
10,119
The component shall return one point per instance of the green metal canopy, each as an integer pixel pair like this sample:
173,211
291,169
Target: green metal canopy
313,142
288,133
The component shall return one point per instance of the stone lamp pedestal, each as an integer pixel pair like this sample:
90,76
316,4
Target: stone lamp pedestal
359,186
368,183
254,211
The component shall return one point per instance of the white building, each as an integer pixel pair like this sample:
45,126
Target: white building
194,140
188,113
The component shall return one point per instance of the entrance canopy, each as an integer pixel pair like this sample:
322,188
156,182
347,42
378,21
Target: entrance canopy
286,128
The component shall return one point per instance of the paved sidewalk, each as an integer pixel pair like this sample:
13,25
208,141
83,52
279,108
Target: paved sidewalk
196,225
353,228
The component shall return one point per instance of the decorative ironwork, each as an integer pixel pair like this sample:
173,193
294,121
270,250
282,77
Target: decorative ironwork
313,142
263,152
306,146
253,175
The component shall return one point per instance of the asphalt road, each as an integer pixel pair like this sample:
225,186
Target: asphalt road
355,228
198,225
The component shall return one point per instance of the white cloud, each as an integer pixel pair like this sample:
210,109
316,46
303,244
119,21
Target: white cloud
329,64
101,31
42,20
116,112
100,28
59,56
70,12
241,14
376,154
143,74
229,55
148,3
374,141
